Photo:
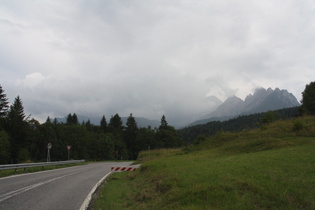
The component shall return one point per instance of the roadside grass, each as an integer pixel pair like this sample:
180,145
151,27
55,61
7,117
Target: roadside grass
268,168
155,154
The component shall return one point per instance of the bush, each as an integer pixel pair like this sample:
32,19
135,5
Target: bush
24,155
298,126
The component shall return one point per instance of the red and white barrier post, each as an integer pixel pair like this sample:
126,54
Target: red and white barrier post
122,169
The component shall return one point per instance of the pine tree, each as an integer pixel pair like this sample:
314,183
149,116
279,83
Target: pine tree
4,147
164,123
75,120
48,120
17,127
88,125
308,100
72,119
115,124
167,136
130,135
16,112
69,119
103,124
3,103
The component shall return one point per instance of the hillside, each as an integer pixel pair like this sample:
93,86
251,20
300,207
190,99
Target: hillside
239,123
267,168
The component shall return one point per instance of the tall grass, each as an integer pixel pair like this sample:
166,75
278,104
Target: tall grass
269,168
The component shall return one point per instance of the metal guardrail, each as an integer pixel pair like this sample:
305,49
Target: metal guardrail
29,165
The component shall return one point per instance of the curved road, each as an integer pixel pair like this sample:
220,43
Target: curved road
64,188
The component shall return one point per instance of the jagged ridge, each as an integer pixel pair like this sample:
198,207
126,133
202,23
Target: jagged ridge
261,101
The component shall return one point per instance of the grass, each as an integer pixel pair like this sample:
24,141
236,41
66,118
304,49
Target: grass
268,168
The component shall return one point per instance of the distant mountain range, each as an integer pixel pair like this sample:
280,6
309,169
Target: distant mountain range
141,122
261,101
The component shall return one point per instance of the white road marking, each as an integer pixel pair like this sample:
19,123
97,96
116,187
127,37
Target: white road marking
89,197
24,189
38,172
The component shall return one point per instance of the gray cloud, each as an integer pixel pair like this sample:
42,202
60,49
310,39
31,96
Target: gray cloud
151,58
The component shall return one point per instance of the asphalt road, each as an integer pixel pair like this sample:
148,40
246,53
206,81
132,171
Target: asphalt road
64,188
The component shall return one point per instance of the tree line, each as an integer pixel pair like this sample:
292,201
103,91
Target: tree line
192,133
25,139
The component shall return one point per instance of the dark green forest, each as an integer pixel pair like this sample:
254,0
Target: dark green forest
23,138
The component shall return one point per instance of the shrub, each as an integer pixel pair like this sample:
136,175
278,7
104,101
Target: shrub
298,126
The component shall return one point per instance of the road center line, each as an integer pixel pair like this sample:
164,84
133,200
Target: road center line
27,188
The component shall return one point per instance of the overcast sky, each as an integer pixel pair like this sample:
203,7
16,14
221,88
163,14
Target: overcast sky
150,58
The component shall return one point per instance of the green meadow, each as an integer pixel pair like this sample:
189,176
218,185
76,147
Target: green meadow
272,167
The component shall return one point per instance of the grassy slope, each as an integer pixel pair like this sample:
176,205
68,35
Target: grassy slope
268,168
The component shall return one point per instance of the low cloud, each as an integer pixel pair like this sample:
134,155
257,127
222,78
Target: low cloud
151,58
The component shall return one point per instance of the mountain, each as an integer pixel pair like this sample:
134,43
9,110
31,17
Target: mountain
264,100
141,122
261,101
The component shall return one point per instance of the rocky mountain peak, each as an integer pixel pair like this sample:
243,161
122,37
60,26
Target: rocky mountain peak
261,101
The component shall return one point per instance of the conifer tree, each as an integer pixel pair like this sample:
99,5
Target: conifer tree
69,119
164,123
16,112
72,119
115,124
4,148
17,127
130,135
48,120
3,103
308,100
103,124
88,125
167,135
75,120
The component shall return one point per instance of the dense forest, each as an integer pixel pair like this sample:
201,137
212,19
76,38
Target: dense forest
25,139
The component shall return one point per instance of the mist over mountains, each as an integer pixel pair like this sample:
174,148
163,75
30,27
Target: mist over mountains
261,101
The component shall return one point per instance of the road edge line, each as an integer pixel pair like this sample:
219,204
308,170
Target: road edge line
88,199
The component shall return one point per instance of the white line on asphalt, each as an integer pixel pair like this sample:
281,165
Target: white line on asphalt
37,172
24,189
89,197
